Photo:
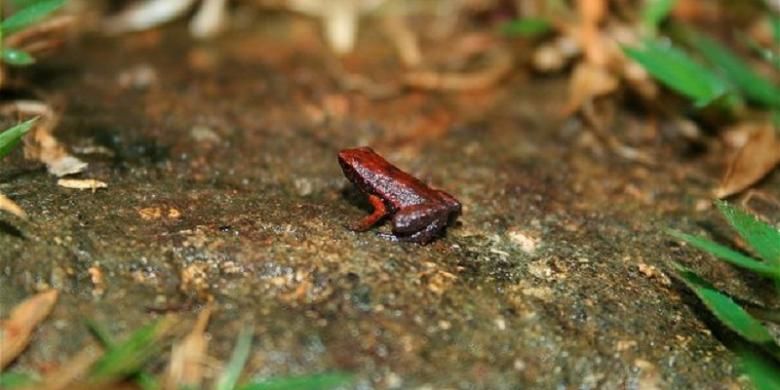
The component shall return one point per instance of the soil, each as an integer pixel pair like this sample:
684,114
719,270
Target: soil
223,184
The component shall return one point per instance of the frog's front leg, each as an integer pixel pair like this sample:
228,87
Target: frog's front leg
380,211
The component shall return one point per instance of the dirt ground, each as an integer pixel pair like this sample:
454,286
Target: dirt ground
220,160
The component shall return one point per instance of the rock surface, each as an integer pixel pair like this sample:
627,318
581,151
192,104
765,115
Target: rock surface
223,183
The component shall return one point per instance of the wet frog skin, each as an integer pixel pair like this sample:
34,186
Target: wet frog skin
419,213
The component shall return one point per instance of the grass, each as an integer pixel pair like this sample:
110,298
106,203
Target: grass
722,74
28,13
678,71
758,352
12,136
526,27
126,360
655,12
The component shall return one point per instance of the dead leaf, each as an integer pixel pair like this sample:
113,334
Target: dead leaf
405,40
10,206
588,81
16,330
82,184
41,144
146,15
591,13
42,36
759,156
210,19
339,19
187,357
75,368
499,65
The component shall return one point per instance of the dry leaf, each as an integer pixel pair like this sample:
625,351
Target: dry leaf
759,156
500,64
75,368
553,56
405,40
339,19
187,357
588,81
591,13
146,15
82,184
210,19
40,144
10,206
16,330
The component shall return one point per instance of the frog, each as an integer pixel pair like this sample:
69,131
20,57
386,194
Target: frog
418,213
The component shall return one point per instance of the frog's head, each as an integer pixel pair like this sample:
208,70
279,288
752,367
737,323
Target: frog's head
355,161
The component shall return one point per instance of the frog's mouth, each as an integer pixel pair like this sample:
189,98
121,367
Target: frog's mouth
346,167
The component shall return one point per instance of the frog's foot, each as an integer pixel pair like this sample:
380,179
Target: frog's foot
380,211
388,236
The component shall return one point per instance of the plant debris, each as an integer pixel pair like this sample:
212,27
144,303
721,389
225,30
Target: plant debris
759,155
6,204
15,332
82,184
188,357
40,144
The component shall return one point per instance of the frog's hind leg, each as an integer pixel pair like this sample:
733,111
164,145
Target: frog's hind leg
424,236
412,219
380,211
419,223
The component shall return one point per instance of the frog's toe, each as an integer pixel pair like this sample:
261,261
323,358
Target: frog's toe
388,236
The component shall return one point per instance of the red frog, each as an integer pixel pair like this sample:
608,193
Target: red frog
420,213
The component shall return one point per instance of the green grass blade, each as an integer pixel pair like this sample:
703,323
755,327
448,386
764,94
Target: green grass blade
11,137
775,23
762,237
231,373
767,54
24,3
13,380
17,57
725,309
729,255
144,380
29,15
526,27
678,71
655,11
755,87
325,381
127,358
101,334
762,370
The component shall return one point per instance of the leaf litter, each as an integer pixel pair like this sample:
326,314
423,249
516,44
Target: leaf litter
759,155
16,331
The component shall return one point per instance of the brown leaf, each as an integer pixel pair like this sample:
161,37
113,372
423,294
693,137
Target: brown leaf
499,66
82,184
591,13
588,81
10,206
15,332
759,156
40,144
75,368
187,357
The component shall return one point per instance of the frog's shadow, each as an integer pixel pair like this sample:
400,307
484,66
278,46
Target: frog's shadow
356,198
